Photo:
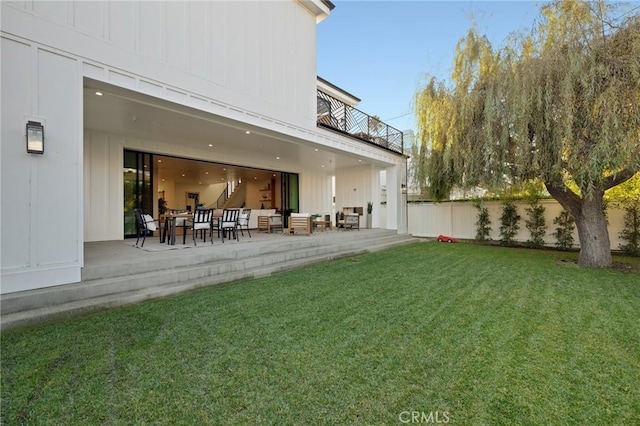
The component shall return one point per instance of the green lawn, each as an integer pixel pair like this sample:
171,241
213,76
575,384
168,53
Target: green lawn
465,333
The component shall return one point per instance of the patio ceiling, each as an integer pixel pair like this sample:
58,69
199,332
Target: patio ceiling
124,112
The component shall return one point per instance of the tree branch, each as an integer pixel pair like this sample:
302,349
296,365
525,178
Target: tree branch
620,177
566,197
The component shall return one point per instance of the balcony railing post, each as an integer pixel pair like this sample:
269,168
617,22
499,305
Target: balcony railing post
344,123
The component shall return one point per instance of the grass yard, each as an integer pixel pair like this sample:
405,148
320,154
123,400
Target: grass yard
455,333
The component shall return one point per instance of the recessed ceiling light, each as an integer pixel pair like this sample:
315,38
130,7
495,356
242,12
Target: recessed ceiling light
248,132
206,173
98,93
255,177
163,180
199,183
277,158
323,165
159,161
316,149
221,178
210,144
274,175
224,168
359,161
183,174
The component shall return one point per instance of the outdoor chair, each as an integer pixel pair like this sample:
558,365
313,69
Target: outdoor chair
243,221
275,222
299,222
270,222
351,221
200,221
144,224
229,223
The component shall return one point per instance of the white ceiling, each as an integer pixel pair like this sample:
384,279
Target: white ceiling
123,112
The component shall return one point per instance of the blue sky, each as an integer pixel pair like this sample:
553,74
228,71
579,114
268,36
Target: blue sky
380,51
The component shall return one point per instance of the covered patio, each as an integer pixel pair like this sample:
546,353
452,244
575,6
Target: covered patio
160,151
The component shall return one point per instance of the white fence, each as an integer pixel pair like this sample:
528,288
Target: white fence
458,219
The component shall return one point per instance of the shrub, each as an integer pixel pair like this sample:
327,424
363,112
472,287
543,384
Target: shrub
536,224
564,231
509,222
631,231
483,228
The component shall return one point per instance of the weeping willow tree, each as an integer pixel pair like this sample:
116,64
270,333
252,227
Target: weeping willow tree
560,104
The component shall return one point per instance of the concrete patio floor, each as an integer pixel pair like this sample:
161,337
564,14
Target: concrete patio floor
117,273
110,254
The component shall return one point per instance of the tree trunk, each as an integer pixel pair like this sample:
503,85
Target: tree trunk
595,247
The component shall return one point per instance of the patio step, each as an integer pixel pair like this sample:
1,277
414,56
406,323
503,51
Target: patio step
106,286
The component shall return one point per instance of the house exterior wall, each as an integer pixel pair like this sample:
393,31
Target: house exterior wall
315,192
259,56
103,183
355,187
41,194
253,62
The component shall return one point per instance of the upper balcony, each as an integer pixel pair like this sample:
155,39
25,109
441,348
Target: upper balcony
336,115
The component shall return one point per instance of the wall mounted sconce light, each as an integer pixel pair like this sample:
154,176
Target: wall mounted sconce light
35,137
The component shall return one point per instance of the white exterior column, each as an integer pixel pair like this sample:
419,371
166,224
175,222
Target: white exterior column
396,199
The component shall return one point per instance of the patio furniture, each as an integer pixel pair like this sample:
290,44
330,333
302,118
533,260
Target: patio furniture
200,221
229,223
322,222
144,224
167,220
299,222
243,221
270,222
350,221
173,220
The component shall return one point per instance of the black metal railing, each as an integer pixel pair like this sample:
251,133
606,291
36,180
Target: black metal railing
335,114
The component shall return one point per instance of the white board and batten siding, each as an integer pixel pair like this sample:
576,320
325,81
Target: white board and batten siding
243,60
256,56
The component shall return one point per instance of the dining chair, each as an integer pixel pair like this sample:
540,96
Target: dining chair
200,221
243,221
229,223
144,224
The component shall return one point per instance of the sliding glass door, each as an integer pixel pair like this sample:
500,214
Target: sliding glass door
290,197
138,187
